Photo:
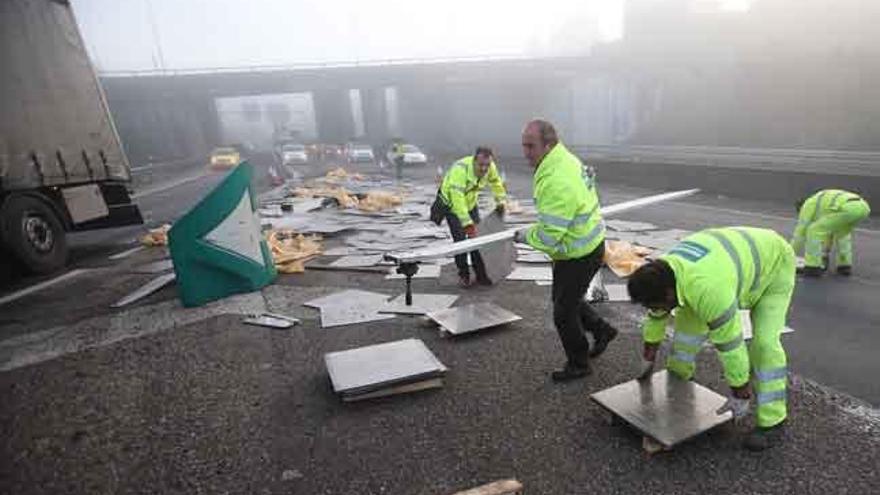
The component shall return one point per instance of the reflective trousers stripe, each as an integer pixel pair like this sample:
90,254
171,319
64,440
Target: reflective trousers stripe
771,374
729,346
766,397
689,339
684,356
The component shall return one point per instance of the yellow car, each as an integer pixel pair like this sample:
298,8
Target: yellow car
224,158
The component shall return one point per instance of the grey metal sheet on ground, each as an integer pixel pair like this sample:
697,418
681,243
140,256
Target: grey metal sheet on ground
617,293
341,251
352,313
421,304
531,273
344,296
155,267
533,258
354,260
425,271
378,366
473,317
145,290
666,408
628,226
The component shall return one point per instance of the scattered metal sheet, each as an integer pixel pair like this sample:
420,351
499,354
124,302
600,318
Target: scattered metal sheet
406,388
354,260
425,271
126,253
344,296
531,273
155,267
147,289
533,258
421,304
543,283
271,320
657,242
614,293
664,407
473,317
359,312
498,258
628,226
341,251
367,369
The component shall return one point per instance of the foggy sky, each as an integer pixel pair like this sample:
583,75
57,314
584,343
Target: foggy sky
193,34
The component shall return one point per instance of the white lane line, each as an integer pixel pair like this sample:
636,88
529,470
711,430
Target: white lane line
42,285
756,214
125,254
166,186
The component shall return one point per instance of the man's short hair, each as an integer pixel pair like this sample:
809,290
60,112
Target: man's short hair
484,151
649,284
546,131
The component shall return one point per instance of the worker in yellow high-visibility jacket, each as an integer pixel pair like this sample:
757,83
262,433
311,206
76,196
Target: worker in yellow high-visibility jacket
827,219
706,279
458,192
571,232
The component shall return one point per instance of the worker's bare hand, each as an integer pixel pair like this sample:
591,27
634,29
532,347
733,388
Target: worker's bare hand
471,231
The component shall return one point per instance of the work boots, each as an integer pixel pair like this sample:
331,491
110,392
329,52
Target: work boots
813,271
602,341
844,270
764,438
570,372
465,282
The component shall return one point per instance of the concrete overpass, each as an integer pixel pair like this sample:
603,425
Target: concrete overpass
440,103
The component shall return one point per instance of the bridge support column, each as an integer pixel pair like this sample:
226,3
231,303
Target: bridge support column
375,114
333,115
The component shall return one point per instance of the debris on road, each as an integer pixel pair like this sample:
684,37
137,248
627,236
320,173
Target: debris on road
380,370
157,236
290,250
271,320
502,487
145,290
471,318
623,258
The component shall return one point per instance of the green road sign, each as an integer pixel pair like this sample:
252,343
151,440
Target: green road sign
217,247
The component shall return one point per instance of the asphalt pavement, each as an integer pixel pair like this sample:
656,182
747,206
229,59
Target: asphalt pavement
158,399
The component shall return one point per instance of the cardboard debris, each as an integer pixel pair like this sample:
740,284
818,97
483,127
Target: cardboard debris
624,258
157,236
341,173
290,250
380,200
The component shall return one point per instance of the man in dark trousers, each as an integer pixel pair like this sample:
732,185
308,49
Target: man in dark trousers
571,231
458,193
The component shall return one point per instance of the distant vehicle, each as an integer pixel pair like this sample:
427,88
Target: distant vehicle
411,154
332,151
224,158
359,153
294,154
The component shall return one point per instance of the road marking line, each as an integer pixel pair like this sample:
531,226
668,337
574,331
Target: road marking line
759,215
166,186
125,254
42,285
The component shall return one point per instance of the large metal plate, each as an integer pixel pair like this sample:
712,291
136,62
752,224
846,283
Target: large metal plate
374,367
531,273
628,226
355,260
473,317
342,297
498,258
421,304
665,408
533,258
155,267
145,290
352,313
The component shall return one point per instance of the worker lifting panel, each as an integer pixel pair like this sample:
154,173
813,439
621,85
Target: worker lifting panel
217,247
665,408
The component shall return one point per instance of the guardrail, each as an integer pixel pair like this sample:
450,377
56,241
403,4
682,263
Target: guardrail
814,161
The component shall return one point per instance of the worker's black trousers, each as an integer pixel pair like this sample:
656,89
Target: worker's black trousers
571,313
458,235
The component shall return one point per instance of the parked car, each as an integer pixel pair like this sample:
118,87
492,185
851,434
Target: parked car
224,158
294,154
411,154
359,153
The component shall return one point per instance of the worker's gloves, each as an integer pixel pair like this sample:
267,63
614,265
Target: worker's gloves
738,403
500,208
471,231
649,356
520,236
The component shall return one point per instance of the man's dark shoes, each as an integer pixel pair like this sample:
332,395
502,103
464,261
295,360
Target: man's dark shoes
764,438
813,271
484,280
570,372
464,281
602,341
844,270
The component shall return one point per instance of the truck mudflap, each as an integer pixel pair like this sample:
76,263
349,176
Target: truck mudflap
120,210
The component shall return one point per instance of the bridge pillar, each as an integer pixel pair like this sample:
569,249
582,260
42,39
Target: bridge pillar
375,114
333,116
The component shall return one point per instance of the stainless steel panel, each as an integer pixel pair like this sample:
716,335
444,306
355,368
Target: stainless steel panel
531,273
421,304
373,367
665,408
355,260
147,289
628,226
349,314
155,267
338,298
473,317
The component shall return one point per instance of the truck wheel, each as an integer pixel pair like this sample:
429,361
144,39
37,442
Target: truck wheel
33,233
